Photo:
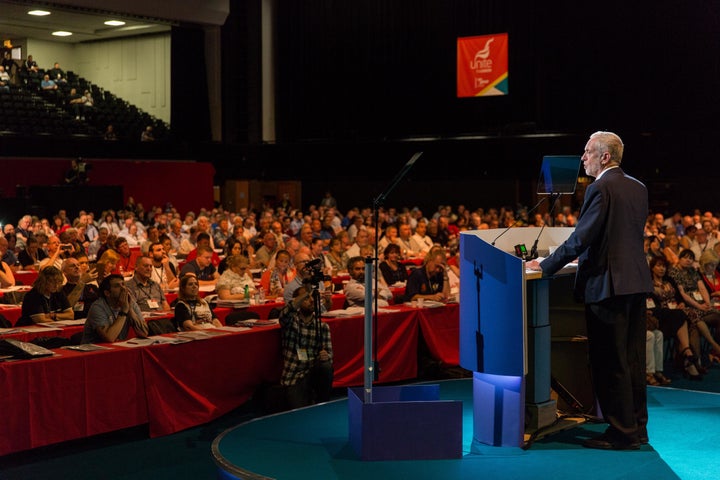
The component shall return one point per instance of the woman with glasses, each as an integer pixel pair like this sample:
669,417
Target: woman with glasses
236,277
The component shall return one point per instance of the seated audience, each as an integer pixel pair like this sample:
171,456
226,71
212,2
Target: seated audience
355,289
696,300
7,255
392,270
163,270
80,289
191,311
203,240
202,267
273,280
113,314
45,302
147,293
420,241
235,279
430,281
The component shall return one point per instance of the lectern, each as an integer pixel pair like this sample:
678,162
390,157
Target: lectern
505,332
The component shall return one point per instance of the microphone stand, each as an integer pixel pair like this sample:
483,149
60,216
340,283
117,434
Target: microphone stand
372,367
518,220
533,251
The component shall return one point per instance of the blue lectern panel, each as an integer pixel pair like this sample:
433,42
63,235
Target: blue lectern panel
492,324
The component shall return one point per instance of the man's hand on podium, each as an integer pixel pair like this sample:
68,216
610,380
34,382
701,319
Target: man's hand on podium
533,265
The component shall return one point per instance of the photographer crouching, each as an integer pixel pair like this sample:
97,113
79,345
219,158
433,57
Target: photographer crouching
307,350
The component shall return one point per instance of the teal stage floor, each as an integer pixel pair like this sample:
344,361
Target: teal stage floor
312,443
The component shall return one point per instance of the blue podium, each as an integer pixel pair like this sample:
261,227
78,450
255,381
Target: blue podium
505,333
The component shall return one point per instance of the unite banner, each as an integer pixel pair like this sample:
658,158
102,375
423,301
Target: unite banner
482,65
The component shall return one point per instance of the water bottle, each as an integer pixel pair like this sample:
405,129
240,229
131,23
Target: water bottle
247,293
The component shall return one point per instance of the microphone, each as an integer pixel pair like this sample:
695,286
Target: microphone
533,250
516,221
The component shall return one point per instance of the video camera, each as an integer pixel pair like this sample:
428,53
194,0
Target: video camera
316,277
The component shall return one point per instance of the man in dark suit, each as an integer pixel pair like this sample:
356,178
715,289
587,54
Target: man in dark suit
612,279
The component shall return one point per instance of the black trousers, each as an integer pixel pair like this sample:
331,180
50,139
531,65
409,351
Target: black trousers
314,387
616,341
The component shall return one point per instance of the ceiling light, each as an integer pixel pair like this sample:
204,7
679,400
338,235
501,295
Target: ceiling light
115,23
62,33
38,13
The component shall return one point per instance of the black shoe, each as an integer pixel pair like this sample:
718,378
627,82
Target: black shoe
643,436
607,442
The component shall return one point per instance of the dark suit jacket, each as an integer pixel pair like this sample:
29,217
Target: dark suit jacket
608,240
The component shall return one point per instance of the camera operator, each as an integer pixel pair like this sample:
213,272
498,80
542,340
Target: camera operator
307,351
309,272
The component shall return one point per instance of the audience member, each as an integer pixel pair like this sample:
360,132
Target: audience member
79,289
420,241
113,314
191,311
429,282
4,80
666,306
202,267
45,302
235,279
147,134
146,292
355,288
696,299
267,251
274,280
31,255
392,270
110,134
7,255
164,273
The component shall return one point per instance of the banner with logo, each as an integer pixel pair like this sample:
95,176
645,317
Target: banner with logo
482,65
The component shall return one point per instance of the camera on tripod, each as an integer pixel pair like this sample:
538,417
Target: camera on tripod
316,277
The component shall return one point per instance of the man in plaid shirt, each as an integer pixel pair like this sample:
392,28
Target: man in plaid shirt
307,351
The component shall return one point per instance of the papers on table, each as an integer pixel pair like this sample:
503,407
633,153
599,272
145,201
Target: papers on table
68,323
86,347
233,303
40,328
352,311
16,288
259,323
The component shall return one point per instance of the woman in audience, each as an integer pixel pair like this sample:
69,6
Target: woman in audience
392,270
672,247
653,248
234,246
665,307
231,284
708,269
333,258
696,299
191,311
110,223
107,264
273,280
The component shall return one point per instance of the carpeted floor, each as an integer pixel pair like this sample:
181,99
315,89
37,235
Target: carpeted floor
683,428
313,443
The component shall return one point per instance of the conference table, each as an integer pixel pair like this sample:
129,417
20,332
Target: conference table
76,394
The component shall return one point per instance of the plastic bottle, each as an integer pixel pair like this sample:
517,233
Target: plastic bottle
247,292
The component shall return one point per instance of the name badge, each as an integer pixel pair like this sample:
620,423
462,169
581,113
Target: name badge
696,295
302,354
650,303
153,304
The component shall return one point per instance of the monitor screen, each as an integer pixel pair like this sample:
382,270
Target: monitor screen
558,174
